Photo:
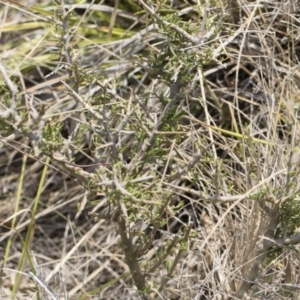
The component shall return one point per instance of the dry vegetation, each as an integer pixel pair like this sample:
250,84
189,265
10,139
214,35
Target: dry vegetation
149,149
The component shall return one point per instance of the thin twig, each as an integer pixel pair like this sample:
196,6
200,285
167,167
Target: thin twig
42,283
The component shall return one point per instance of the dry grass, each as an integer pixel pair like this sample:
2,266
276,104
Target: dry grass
111,134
